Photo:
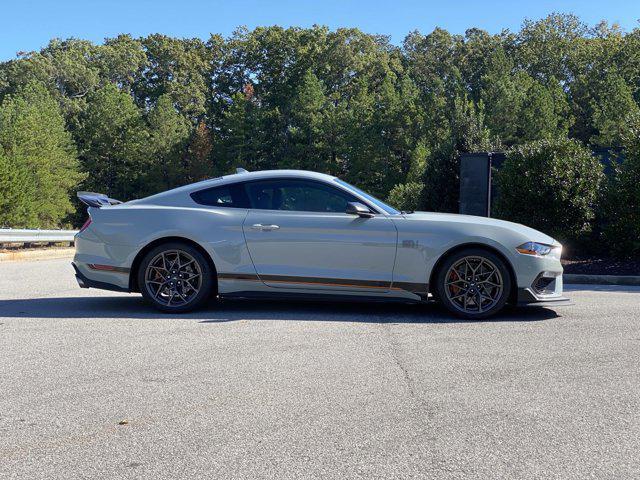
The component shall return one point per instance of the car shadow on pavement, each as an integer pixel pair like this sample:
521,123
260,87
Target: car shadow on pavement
133,307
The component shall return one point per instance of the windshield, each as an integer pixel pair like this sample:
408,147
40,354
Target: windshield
378,203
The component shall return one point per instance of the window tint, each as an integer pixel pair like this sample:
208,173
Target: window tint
297,195
223,196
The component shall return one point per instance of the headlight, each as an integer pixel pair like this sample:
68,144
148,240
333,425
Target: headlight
535,248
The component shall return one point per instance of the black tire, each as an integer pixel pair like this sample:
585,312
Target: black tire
198,266
495,297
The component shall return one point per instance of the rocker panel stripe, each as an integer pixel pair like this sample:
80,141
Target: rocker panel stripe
417,288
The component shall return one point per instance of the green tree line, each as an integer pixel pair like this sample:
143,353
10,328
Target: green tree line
134,116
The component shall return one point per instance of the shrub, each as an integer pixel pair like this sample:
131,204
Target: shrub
622,206
550,185
406,196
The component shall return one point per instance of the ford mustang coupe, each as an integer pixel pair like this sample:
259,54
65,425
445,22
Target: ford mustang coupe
293,233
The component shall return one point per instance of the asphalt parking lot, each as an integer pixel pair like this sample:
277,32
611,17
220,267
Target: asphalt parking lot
96,385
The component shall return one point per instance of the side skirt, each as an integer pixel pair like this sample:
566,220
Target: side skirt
313,297
422,290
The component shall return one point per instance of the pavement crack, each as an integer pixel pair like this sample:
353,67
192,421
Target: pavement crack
395,352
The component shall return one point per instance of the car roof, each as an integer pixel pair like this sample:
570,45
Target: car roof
260,174
278,173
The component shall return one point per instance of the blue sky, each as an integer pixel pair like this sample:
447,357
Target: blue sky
29,24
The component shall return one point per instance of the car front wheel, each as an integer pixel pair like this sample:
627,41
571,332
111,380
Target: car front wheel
473,283
175,277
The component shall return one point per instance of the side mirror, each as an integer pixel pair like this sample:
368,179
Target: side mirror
357,208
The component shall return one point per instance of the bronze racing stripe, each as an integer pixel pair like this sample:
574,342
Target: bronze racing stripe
417,288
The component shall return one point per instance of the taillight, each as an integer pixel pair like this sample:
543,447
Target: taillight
86,225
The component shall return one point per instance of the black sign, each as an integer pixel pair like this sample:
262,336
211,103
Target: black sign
475,184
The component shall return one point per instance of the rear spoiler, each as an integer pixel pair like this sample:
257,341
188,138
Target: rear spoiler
96,199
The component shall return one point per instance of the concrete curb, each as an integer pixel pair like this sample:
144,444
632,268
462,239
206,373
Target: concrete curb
37,254
601,279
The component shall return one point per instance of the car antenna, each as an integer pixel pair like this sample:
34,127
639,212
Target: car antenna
241,170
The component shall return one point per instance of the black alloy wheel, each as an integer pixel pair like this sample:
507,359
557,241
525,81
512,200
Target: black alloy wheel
175,277
473,283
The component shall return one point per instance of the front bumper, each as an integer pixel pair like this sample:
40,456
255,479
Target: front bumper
540,280
545,291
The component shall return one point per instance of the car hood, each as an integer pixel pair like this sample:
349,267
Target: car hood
470,221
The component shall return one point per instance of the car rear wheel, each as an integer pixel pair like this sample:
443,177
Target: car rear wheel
473,283
175,277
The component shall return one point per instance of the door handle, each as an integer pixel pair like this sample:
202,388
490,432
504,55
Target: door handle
264,228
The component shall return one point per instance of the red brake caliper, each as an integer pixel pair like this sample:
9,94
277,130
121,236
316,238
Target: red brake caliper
454,289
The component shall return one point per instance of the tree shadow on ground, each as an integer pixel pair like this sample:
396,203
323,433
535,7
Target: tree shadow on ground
133,307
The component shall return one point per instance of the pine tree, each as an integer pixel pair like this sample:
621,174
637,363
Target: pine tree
307,147
169,134
361,160
114,145
239,136
18,201
39,154
198,165
518,107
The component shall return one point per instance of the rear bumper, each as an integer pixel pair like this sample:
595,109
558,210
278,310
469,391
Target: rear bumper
102,265
85,282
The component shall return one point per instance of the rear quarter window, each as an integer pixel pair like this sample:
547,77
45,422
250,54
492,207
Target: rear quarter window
229,196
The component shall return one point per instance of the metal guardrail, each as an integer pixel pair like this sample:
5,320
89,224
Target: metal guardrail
12,235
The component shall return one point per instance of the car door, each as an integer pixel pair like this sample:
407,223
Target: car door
299,236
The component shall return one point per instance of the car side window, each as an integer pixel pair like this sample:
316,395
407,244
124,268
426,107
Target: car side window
232,196
297,195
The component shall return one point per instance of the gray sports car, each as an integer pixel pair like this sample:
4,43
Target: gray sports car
296,233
